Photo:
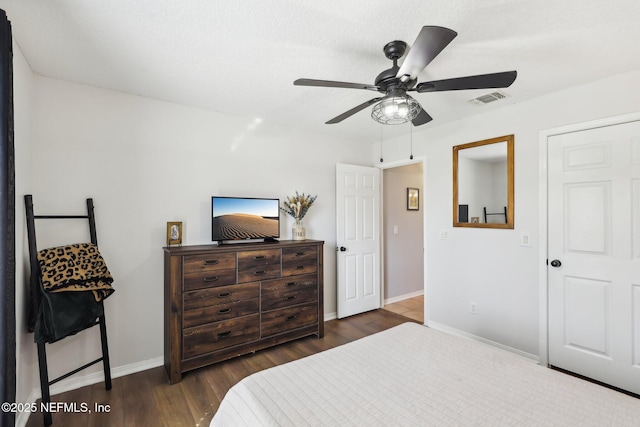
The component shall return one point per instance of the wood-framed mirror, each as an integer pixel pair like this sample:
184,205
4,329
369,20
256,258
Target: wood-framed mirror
483,183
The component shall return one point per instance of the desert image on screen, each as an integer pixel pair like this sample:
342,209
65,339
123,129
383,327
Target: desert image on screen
245,219
244,226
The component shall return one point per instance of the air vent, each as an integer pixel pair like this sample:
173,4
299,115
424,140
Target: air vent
490,97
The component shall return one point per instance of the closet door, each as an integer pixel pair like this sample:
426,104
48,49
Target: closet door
594,253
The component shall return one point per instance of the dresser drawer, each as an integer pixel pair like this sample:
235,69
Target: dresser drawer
208,279
248,259
299,267
288,284
220,295
286,319
204,339
258,265
302,252
216,313
209,262
289,298
302,260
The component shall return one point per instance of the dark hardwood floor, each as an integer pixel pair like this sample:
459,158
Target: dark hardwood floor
147,399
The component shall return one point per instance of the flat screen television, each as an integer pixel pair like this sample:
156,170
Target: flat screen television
244,218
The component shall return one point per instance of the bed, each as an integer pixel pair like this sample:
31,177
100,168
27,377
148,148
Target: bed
411,375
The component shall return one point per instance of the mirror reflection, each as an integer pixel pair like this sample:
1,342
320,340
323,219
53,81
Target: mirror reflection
483,183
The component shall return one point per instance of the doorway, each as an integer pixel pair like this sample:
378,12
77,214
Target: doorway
403,239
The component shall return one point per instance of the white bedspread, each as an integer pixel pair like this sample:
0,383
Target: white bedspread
411,375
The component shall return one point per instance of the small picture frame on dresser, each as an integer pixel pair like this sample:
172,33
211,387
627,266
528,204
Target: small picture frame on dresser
174,233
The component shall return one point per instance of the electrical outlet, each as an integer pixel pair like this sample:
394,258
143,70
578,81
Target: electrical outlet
473,308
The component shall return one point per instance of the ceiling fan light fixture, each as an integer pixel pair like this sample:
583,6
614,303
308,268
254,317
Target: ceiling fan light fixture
395,110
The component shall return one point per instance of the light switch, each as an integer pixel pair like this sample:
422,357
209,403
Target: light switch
525,239
395,229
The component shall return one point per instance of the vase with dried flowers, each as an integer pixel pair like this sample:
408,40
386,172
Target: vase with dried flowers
297,206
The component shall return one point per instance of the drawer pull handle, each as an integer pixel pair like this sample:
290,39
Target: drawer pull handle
223,335
299,253
224,310
211,279
300,267
291,297
224,295
211,262
259,257
259,273
290,318
288,285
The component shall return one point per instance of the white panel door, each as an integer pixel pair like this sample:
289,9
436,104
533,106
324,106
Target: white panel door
358,238
594,253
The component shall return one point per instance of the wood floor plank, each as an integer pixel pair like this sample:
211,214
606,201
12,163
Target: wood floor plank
172,406
257,362
219,386
147,399
138,404
199,396
106,405
68,416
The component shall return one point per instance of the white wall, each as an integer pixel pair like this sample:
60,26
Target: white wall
146,162
474,186
403,256
485,266
499,178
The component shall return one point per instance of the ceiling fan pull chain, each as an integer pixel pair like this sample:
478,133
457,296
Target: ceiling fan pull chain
381,159
411,139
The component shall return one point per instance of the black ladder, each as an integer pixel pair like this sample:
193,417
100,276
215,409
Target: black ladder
36,289
486,214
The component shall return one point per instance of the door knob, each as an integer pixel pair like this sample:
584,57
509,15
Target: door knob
342,249
556,263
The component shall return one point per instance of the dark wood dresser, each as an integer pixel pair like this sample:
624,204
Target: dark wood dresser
225,301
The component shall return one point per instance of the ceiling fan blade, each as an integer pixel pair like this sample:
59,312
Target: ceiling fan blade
422,118
430,42
483,81
354,110
330,83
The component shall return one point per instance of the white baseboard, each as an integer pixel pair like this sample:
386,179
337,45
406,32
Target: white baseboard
78,381
330,316
453,331
403,297
23,417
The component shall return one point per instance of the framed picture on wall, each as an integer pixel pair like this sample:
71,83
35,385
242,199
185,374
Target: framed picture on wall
174,233
413,199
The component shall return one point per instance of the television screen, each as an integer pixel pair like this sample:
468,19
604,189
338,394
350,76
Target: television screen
241,218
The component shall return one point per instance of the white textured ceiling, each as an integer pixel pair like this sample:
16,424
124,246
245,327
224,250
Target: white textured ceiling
241,57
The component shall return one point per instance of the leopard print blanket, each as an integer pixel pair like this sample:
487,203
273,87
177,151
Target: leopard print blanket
77,267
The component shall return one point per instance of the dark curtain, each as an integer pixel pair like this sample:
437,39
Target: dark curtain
7,225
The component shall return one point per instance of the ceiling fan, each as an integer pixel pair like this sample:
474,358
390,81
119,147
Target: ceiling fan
396,106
